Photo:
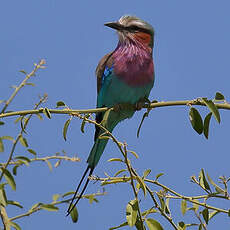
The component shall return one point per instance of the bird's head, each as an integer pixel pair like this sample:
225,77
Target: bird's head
131,27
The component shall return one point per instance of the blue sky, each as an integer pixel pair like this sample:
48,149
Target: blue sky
191,58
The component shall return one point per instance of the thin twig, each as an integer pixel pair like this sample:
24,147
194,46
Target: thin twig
23,83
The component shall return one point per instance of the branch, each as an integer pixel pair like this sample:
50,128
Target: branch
153,105
40,65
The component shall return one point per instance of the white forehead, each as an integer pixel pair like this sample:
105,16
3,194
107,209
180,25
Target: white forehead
128,20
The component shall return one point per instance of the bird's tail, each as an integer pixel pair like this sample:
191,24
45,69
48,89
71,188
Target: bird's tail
71,206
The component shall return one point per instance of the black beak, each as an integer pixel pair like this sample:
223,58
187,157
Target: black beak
114,25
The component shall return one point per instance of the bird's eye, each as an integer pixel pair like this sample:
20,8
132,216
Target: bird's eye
133,28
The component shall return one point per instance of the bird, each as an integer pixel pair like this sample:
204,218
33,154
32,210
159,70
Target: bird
124,76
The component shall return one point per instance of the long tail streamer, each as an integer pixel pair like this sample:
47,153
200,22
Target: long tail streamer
71,206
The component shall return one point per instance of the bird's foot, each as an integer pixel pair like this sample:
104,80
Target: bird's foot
139,105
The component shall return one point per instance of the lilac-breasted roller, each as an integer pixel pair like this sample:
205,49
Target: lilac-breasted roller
124,76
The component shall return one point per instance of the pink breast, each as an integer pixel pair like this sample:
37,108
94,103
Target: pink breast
133,65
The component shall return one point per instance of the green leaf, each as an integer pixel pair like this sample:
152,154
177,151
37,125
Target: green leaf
153,224
142,184
49,207
147,212
23,71
66,125
206,124
15,226
49,165
23,141
8,138
2,123
106,117
196,120
74,215
57,163
212,108
219,96
218,189
24,159
115,181
120,171
67,194
32,152
182,225
18,119
134,153
212,214
15,169
202,180
205,215
159,175
39,116
16,203
1,146
47,112
83,123
3,199
115,159
146,172
55,197
131,212
119,226
9,178
183,206
60,104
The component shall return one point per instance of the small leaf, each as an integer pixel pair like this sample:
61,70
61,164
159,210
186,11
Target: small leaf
15,169
2,123
142,184
49,207
151,210
23,71
66,125
60,104
153,224
3,199
134,153
159,175
115,159
205,215
131,212
212,214
1,146
47,112
18,119
183,206
146,173
49,165
8,138
218,189
196,120
32,152
67,194
55,197
115,181
106,117
206,124
25,159
11,202
30,83
212,108
219,96
119,172
57,163
39,116
120,226
74,215
202,180
9,178
83,123
23,141
15,225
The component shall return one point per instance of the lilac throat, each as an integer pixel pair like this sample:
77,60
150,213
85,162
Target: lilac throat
133,64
